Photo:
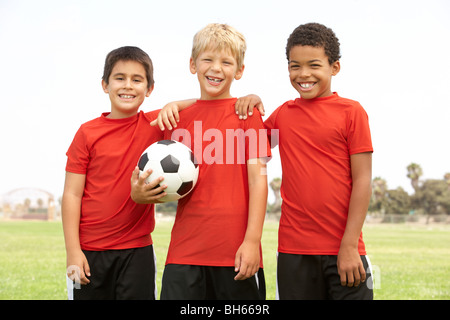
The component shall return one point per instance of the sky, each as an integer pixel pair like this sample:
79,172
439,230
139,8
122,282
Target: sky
394,62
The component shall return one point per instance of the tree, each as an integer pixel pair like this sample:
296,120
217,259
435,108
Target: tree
275,185
379,188
167,207
27,204
433,196
447,179
397,201
414,173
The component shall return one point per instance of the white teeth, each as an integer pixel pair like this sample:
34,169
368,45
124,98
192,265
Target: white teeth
306,85
124,96
214,80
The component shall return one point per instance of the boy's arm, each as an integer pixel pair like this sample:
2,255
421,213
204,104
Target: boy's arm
77,265
349,263
169,116
248,255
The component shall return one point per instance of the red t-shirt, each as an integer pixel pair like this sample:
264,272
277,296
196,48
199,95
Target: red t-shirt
212,220
316,139
107,151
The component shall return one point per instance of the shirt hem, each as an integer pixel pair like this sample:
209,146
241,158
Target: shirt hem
317,252
208,264
119,247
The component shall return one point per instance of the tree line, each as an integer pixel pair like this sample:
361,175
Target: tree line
431,197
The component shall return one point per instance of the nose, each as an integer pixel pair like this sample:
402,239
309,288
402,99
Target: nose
304,73
215,66
128,83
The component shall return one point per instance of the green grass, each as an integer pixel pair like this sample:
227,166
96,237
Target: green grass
413,262
32,261
410,262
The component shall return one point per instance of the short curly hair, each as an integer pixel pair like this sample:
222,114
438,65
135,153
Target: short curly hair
316,35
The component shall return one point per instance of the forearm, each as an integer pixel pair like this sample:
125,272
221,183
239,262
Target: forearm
183,104
168,116
71,209
255,220
257,184
71,206
361,165
247,260
350,267
359,203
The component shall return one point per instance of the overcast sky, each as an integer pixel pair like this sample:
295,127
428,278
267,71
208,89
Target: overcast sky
394,62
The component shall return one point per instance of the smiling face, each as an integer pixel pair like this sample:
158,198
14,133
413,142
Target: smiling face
127,88
310,71
216,70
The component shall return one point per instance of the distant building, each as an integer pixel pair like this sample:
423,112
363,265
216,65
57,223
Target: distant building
29,203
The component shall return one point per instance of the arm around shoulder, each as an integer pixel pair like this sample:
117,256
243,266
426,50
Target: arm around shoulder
169,114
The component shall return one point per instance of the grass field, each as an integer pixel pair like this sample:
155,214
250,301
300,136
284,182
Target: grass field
410,262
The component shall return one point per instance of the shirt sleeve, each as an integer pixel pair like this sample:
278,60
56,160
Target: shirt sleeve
78,154
257,140
359,138
272,129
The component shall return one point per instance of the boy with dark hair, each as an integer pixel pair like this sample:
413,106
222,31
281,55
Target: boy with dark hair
326,156
108,242
107,235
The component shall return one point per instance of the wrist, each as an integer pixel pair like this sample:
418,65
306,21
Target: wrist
349,243
252,240
73,248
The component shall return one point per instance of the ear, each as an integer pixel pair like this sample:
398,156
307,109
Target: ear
105,86
239,73
149,91
192,66
335,67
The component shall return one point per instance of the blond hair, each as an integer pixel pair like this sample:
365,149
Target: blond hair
220,37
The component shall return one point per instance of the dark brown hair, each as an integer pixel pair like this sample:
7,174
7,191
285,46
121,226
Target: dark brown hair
129,54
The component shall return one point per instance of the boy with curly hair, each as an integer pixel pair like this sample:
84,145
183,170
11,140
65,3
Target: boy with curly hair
326,155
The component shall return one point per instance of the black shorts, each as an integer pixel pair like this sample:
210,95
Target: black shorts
310,277
190,282
128,274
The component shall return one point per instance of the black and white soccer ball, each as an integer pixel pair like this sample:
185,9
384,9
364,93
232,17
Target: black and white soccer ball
175,162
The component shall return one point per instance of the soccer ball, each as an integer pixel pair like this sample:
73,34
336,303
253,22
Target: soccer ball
175,162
